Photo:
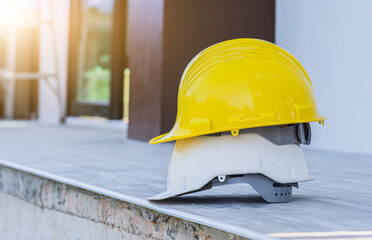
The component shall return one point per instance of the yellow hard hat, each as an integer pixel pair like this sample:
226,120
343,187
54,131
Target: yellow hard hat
238,84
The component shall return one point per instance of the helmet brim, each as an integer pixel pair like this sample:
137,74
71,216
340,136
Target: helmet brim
171,136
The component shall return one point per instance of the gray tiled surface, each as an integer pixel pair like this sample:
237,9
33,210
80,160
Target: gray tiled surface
339,199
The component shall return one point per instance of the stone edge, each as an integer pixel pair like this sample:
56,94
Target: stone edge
204,221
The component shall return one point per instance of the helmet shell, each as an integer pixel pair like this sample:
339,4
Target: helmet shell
238,84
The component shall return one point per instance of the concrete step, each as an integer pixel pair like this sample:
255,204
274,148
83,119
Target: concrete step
39,205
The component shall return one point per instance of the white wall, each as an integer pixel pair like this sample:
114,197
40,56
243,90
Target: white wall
333,41
48,102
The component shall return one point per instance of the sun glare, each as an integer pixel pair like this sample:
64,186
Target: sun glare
6,12
19,12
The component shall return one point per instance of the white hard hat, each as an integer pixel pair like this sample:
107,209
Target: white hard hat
269,159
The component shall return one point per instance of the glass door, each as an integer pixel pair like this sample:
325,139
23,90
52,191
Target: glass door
94,29
95,52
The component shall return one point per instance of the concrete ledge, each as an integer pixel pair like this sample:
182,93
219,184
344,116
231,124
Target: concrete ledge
105,162
38,205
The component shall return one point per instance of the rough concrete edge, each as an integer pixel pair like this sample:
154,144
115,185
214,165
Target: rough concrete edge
113,218
243,232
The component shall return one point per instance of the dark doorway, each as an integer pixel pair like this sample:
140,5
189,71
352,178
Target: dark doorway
97,58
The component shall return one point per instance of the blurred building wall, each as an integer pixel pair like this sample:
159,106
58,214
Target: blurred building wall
48,102
333,41
330,38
